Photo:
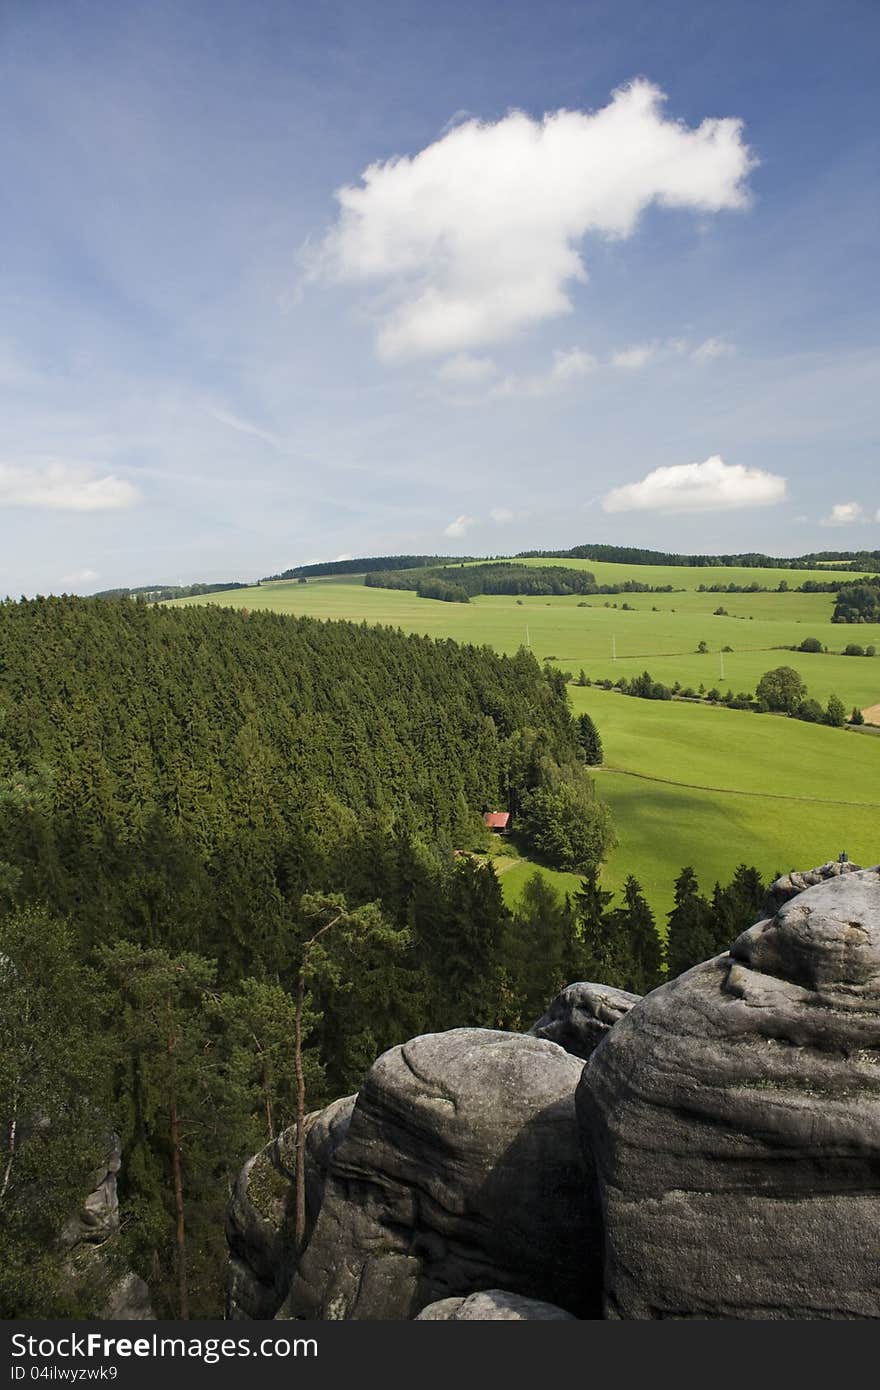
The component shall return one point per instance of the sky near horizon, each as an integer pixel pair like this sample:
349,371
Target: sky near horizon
282,282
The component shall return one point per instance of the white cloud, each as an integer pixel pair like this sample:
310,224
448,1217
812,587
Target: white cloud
844,514
711,349
80,577
58,485
343,557
242,426
476,237
640,354
633,358
711,486
467,370
569,366
459,526
501,515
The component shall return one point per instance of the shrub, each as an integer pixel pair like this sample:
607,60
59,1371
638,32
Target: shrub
810,644
853,649
810,711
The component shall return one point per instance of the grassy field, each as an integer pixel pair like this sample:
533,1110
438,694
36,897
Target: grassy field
687,783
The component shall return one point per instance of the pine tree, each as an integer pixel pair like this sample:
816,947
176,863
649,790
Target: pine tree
589,741
606,959
690,938
635,922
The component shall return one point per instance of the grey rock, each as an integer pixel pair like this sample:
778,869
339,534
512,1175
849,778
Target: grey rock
733,1117
98,1217
789,885
128,1300
493,1305
259,1226
581,1015
460,1171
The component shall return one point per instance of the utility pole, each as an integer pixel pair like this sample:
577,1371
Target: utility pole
528,638
721,654
613,648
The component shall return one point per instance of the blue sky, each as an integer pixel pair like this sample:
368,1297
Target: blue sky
561,308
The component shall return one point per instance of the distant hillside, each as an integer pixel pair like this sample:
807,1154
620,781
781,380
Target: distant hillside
631,555
366,565
158,593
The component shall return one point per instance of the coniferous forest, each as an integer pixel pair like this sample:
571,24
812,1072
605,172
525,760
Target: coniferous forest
221,831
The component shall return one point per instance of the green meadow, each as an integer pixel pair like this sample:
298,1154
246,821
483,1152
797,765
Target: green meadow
687,783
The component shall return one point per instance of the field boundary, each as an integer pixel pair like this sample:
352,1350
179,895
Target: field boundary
737,791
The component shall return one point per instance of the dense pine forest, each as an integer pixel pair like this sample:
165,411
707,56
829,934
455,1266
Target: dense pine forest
222,830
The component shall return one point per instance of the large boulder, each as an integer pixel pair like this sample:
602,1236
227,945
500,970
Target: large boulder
788,886
493,1305
259,1218
461,1171
734,1120
581,1014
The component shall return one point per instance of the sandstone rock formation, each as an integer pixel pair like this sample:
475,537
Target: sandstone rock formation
259,1219
91,1261
581,1015
493,1305
461,1171
789,885
734,1120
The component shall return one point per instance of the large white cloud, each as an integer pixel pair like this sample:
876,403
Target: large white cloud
459,526
58,485
477,235
712,486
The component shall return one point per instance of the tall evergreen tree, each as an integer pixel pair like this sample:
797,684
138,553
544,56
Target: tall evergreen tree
589,741
641,951
690,937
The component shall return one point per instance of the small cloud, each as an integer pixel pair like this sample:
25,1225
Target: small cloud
57,485
459,526
465,369
712,349
632,359
570,365
343,557
501,515
712,486
79,577
844,514
242,426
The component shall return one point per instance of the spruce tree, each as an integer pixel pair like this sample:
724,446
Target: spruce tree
690,938
589,741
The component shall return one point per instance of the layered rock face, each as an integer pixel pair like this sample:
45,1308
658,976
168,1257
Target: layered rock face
461,1171
581,1015
259,1224
734,1120
798,881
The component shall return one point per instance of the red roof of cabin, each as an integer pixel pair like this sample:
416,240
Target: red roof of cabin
496,820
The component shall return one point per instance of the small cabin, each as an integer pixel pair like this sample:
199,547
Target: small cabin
499,821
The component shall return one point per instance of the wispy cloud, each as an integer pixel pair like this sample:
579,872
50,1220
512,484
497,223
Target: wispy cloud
712,486
570,365
633,358
59,485
501,515
77,578
459,526
476,237
712,349
467,370
642,354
